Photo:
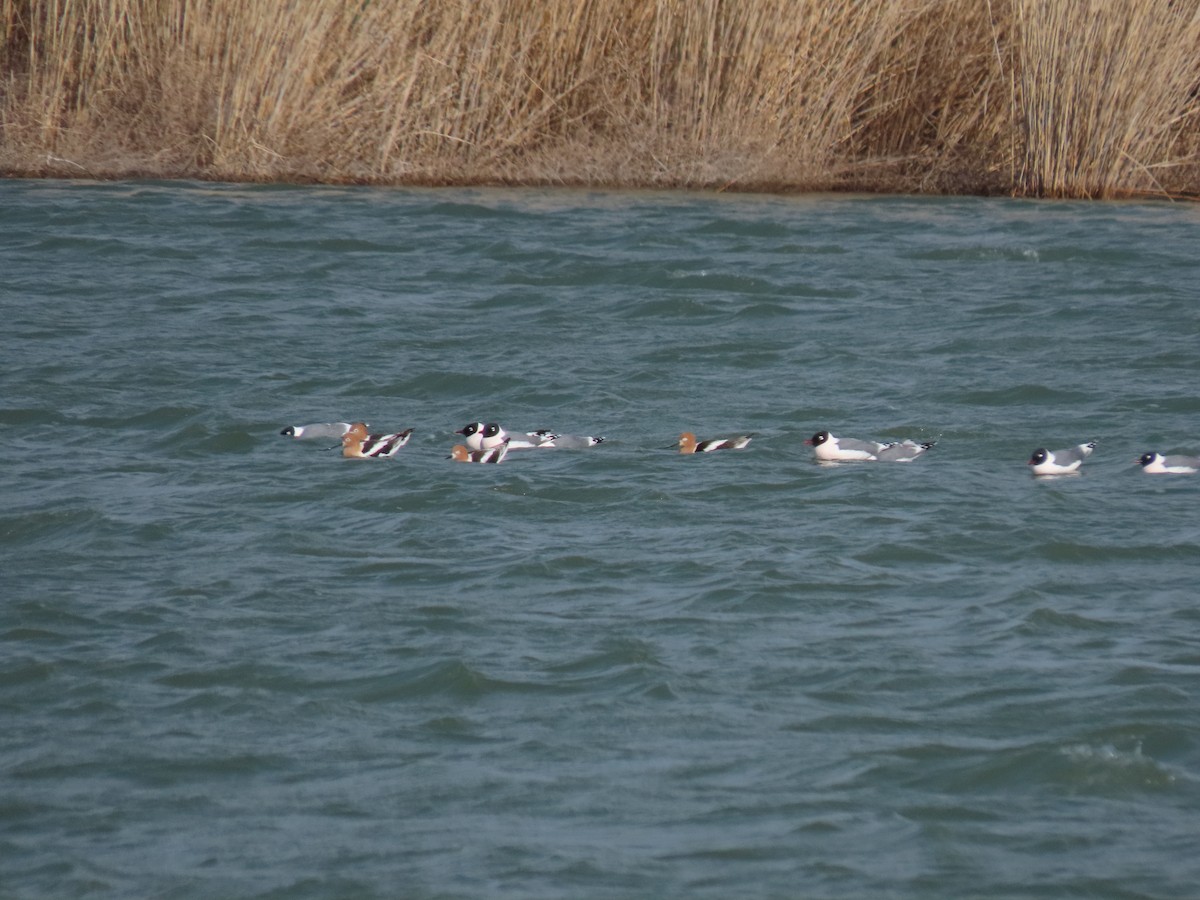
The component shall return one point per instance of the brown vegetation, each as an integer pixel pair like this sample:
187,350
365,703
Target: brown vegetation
1093,98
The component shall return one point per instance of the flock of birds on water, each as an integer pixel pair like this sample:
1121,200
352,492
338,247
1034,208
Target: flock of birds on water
488,442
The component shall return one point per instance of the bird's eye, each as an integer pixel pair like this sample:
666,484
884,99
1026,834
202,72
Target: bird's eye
491,430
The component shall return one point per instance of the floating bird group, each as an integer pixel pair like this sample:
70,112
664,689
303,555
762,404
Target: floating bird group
488,442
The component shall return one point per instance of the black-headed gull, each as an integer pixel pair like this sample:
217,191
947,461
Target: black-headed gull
317,430
494,435
829,448
1060,462
1157,464
481,436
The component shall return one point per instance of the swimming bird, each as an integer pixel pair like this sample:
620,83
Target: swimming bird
1157,464
567,441
828,448
1060,462
481,436
689,444
473,434
493,436
357,444
460,453
317,430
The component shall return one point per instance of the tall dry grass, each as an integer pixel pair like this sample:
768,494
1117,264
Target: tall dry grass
1047,97
1108,95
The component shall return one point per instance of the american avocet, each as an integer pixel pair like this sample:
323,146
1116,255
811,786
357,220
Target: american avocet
689,444
357,444
1060,462
1157,464
460,453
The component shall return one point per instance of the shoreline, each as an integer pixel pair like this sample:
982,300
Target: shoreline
884,177
76,172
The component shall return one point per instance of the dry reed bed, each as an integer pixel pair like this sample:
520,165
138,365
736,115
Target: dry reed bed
1091,98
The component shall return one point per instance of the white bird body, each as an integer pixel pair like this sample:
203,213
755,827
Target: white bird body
1158,464
1060,462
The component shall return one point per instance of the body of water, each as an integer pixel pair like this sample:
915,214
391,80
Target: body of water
234,664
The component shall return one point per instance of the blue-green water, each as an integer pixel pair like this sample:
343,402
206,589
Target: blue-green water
236,665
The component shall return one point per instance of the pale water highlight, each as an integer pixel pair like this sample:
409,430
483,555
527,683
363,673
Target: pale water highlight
233,664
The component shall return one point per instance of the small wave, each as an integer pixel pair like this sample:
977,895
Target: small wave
1024,395
980,254
31,416
453,678
1106,767
1044,620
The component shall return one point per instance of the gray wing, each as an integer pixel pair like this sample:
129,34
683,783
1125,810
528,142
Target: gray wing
1178,460
871,447
324,430
1074,454
903,451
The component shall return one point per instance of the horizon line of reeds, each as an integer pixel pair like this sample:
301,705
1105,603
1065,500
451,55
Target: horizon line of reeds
1051,98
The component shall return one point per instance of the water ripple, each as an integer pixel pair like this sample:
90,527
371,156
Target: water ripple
611,672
